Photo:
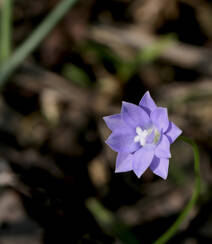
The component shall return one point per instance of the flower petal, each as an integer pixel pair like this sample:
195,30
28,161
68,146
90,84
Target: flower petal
160,118
147,103
163,148
113,121
141,160
123,162
160,166
173,132
150,137
134,115
122,140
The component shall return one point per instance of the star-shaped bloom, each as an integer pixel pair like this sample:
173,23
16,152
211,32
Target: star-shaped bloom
142,136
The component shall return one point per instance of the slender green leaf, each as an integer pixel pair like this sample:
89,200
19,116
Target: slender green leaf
34,39
5,30
110,224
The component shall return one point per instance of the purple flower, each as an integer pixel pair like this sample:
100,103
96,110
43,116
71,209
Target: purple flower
142,136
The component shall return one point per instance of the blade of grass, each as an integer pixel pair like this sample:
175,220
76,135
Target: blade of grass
34,40
5,30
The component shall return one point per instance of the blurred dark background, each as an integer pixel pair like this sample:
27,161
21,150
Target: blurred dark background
57,180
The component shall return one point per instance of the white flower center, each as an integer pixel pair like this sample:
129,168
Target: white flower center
142,136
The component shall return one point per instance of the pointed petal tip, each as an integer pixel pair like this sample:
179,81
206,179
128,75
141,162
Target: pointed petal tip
109,142
117,171
123,162
113,121
106,141
147,93
134,115
137,174
179,131
124,102
160,118
160,167
173,132
162,174
105,119
164,177
121,171
147,103
142,160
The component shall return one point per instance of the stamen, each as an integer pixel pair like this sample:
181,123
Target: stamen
142,135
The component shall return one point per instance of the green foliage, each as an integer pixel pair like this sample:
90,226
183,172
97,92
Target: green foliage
34,40
76,75
109,223
125,69
144,57
5,30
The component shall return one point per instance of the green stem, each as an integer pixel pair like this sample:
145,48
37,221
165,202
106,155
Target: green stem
174,227
5,30
34,39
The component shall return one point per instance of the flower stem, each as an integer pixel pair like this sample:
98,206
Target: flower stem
174,227
34,40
